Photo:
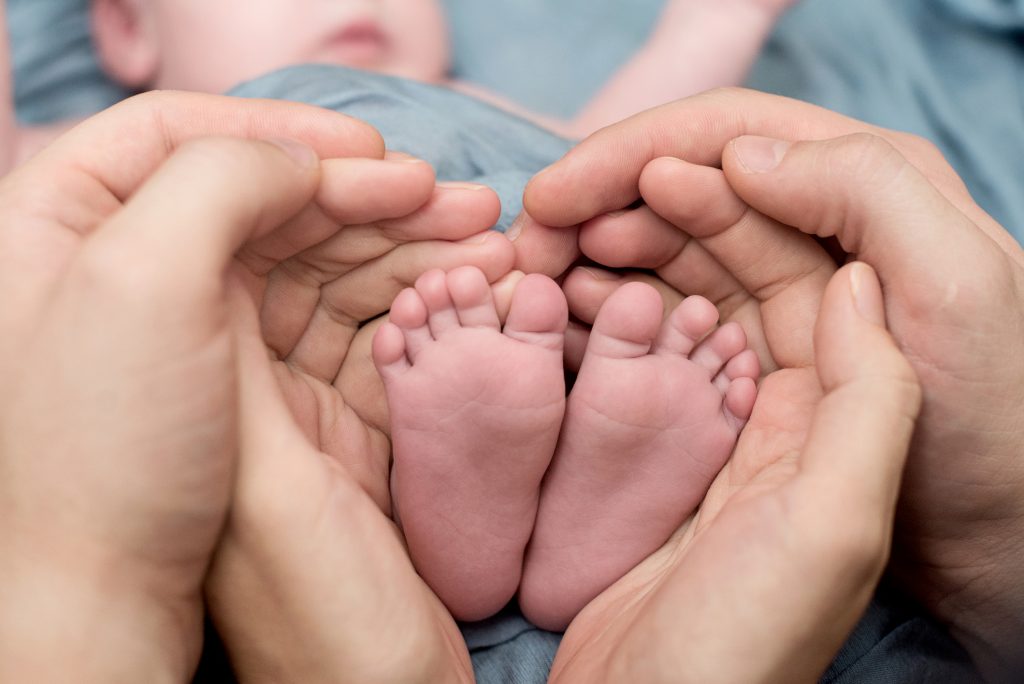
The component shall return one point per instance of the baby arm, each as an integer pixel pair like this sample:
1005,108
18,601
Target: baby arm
697,45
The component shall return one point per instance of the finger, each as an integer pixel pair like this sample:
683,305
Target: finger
137,135
367,292
201,206
602,173
785,271
541,249
861,431
638,238
293,288
360,384
451,212
352,192
586,289
862,190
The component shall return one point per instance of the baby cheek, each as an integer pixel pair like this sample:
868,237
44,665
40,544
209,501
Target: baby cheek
421,48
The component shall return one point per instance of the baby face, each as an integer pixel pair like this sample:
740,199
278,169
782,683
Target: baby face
212,46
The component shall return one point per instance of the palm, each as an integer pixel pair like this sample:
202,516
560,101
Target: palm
347,507
311,517
742,517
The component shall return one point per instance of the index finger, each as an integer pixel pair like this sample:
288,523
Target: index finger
602,173
90,171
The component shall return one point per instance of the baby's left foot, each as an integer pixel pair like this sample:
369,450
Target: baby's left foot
652,418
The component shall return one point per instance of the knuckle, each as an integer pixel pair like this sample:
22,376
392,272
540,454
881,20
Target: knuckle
219,151
924,148
864,155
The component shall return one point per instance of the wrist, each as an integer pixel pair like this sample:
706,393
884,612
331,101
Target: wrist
63,622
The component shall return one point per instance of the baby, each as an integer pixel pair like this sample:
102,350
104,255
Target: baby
212,46
501,484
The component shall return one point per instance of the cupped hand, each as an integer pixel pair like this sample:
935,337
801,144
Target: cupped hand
312,581
118,369
782,557
952,275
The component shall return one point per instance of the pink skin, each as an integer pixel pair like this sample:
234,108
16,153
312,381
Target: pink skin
653,417
475,412
211,46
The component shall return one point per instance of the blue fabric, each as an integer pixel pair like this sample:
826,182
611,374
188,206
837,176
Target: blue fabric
950,70
462,137
56,75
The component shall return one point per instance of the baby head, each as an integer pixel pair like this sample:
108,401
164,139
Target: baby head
210,46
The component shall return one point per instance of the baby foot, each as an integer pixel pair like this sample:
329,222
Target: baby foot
652,418
475,414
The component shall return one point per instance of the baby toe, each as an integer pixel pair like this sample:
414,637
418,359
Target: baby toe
471,295
694,318
627,323
539,313
719,347
432,286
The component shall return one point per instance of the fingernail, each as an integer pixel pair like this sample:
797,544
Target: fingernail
759,155
516,229
598,275
867,293
301,154
617,214
478,239
458,185
396,156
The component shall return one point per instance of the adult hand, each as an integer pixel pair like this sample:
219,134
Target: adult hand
312,581
954,285
118,409
784,554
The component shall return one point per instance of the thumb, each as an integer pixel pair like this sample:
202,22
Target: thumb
207,200
861,431
863,191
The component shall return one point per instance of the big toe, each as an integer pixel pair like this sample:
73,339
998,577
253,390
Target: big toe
627,322
539,313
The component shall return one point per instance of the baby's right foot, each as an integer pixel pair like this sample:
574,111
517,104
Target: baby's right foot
475,415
